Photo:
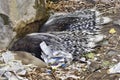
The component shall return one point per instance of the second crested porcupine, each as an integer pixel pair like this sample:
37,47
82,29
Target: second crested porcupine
75,33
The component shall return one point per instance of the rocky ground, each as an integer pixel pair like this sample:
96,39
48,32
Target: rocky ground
92,66
97,65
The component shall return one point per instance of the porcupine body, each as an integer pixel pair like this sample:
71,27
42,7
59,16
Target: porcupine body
75,32
78,31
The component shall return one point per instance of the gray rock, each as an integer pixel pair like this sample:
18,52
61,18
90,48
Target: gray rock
112,52
27,58
6,32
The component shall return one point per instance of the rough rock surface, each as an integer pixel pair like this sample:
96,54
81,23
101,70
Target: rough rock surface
6,33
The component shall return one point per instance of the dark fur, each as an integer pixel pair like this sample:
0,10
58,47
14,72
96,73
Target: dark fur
30,43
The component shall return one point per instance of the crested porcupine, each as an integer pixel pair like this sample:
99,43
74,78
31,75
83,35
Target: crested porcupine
30,43
79,20
75,33
78,31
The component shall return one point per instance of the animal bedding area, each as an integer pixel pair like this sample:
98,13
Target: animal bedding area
79,43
